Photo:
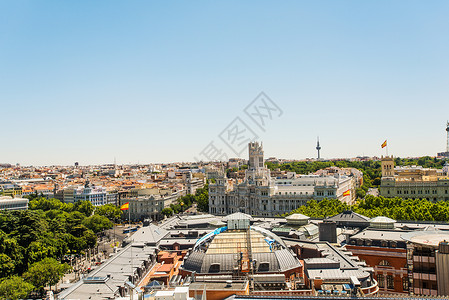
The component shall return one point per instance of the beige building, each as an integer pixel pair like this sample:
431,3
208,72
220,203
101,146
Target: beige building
148,206
413,182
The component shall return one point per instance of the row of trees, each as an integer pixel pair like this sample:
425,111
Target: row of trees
34,241
201,198
395,208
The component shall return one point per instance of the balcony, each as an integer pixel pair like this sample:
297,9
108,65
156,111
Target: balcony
371,290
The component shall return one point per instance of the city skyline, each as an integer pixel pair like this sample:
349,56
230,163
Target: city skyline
153,83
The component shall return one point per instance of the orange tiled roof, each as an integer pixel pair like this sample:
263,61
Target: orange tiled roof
165,268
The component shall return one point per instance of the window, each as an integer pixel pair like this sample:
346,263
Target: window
264,266
390,282
384,263
381,280
214,268
405,283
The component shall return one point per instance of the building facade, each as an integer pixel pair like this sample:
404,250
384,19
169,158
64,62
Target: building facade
9,203
10,189
97,195
386,252
413,182
427,262
261,195
149,206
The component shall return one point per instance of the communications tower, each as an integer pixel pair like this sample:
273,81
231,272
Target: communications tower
318,147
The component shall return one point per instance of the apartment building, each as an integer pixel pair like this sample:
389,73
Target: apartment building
97,195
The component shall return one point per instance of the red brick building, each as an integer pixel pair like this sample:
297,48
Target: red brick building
386,252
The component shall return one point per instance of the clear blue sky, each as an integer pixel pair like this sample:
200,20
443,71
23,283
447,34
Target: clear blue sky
147,82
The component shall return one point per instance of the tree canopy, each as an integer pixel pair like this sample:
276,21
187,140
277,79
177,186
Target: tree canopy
201,197
14,288
48,271
109,211
371,206
34,241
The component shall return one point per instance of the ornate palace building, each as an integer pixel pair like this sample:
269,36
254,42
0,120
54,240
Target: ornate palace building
261,195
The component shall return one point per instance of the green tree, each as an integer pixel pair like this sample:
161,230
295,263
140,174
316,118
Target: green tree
203,202
167,211
39,250
46,272
376,181
45,204
109,211
360,193
6,265
14,288
202,198
84,207
97,223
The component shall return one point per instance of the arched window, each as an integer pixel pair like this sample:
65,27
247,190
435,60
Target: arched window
384,263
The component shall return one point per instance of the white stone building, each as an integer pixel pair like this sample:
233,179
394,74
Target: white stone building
262,195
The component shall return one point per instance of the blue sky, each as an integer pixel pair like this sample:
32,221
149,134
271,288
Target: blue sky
147,82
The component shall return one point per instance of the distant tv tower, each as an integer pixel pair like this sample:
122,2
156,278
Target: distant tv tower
318,147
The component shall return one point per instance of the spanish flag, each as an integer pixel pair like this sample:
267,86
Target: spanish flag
384,144
347,193
125,206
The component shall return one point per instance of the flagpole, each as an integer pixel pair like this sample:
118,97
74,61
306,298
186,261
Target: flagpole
131,250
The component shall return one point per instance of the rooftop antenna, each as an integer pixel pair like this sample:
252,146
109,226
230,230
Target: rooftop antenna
318,147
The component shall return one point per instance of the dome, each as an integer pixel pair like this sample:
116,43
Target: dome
297,219
382,222
227,252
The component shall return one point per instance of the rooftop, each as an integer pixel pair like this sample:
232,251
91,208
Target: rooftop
349,216
429,237
379,234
